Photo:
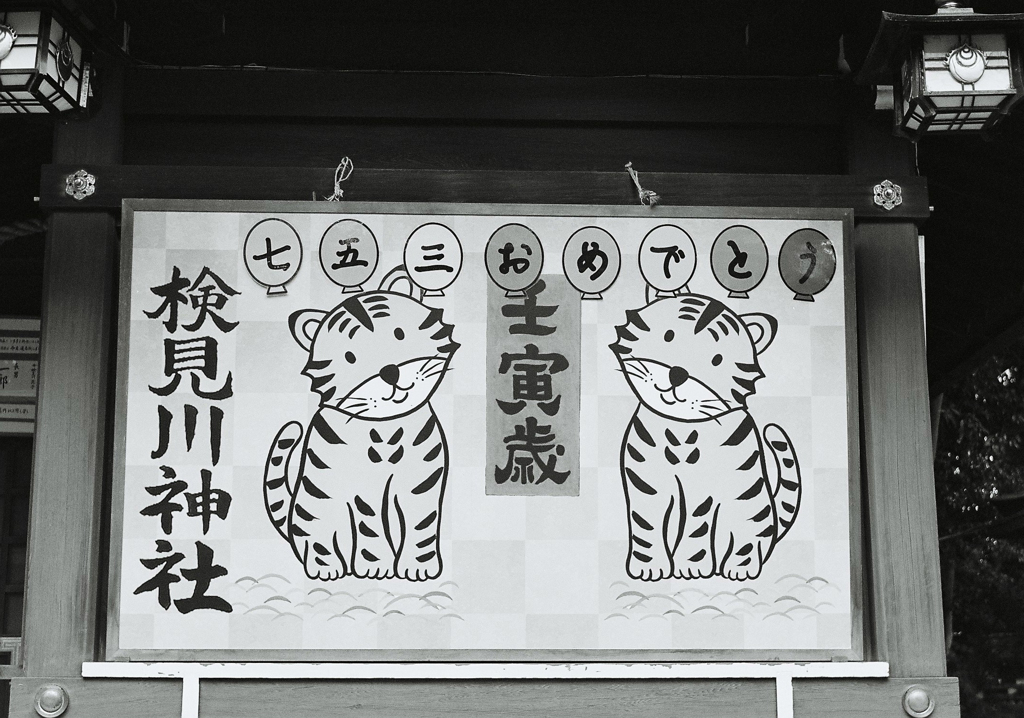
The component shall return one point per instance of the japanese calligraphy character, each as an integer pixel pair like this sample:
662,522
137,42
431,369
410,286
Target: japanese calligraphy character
738,262
812,255
515,264
165,416
192,355
165,508
531,380
590,253
209,294
348,257
172,295
271,253
208,502
161,582
202,575
672,254
531,445
438,256
530,312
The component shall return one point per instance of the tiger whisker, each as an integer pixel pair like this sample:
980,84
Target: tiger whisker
358,413
441,370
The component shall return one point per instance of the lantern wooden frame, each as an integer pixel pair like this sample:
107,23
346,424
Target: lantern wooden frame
47,68
914,54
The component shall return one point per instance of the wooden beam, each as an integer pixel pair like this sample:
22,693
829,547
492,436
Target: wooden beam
98,698
63,583
469,97
903,552
115,183
824,698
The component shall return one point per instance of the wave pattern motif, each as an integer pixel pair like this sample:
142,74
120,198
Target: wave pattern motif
275,595
790,598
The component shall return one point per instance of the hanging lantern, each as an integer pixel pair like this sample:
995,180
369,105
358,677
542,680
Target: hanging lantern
42,65
952,72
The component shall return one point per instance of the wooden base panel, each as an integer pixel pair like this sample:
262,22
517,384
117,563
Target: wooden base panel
820,698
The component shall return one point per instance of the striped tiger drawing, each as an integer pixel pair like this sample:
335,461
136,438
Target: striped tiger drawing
700,499
363,497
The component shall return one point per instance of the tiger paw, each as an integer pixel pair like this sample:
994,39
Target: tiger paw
744,564
699,564
368,565
647,568
321,564
419,568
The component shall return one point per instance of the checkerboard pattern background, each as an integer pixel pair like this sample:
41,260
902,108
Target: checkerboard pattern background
519,572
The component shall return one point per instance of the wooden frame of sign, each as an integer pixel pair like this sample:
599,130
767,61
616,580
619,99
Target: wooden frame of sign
146,255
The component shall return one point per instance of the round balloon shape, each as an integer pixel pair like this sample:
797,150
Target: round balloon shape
273,254
591,261
739,260
433,258
668,259
807,263
349,254
514,258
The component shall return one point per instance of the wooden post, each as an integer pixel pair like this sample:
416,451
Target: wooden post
900,484
63,585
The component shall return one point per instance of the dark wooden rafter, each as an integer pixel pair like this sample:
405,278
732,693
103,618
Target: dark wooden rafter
485,97
117,182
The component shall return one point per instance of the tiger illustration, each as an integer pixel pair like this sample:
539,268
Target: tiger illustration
700,500
364,495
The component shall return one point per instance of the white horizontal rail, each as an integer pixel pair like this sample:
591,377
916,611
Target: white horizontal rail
471,671
191,673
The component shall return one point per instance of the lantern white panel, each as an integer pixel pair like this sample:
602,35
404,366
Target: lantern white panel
14,80
22,57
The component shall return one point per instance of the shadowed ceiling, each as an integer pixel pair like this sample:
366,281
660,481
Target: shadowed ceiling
974,252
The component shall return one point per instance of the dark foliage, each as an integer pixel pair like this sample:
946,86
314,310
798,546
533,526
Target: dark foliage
979,470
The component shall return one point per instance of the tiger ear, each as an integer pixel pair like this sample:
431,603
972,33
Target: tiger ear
304,324
762,329
399,281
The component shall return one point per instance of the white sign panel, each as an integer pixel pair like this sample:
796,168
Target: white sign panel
444,432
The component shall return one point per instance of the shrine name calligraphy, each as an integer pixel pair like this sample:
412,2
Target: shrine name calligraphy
198,358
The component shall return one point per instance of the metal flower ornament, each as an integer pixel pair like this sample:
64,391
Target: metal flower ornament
79,185
888,195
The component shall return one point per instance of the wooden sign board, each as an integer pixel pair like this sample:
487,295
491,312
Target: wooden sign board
485,432
19,374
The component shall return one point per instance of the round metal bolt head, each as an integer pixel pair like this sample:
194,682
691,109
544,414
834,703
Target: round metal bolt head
52,701
918,702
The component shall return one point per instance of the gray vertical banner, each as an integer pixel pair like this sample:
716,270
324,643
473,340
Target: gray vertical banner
533,390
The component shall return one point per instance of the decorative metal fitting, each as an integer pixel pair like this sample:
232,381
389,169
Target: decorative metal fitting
82,184
966,64
52,701
888,195
918,702
7,38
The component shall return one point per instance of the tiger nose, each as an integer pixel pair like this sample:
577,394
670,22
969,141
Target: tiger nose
389,373
678,376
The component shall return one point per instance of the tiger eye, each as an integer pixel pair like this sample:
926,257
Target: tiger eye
716,360
399,334
670,335
350,357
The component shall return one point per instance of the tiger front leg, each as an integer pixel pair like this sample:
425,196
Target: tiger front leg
653,524
323,557
419,511
318,530
746,534
373,556
695,555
